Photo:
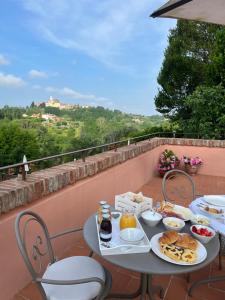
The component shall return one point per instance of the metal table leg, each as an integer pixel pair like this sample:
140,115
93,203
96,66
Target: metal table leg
204,281
152,289
141,291
221,250
144,288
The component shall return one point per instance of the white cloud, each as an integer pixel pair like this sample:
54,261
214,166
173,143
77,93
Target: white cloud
105,30
9,80
3,60
37,74
72,94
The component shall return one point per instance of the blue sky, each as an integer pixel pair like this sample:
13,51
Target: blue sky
96,52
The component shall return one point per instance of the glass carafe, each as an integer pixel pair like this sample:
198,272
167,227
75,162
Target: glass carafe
128,220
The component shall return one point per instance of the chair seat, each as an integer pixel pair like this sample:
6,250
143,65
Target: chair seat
73,268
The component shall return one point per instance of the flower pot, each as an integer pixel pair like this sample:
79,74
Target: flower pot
191,170
163,172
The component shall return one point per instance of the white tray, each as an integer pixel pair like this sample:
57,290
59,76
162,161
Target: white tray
117,246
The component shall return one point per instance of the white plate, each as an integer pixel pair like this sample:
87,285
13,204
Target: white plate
211,214
216,200
185,212
201,252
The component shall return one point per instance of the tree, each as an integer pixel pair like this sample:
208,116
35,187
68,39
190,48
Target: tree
217,67
15,142
207,106
186,64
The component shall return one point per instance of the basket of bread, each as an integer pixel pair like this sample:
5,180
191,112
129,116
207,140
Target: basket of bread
133,202
178,248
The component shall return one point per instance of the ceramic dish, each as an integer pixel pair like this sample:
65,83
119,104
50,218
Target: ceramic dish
201,252
203,238
151,218
211,213
172,223
200,220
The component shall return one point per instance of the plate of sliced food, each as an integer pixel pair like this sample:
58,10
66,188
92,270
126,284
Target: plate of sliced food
168,209
211,210
178,248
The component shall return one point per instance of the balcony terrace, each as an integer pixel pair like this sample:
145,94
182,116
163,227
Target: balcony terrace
65,196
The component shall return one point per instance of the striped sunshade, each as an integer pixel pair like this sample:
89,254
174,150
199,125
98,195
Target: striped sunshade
211,11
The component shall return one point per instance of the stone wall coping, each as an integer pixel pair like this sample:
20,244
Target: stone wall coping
15,192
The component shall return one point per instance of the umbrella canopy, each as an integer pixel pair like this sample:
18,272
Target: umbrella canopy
211,11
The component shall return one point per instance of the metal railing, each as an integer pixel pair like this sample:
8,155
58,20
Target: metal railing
10,171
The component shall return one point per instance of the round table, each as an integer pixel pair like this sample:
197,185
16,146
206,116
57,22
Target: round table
147,264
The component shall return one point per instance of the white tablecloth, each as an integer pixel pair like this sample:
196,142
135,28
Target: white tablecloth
217,224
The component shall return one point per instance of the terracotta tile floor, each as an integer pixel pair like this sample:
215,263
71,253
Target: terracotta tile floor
175,287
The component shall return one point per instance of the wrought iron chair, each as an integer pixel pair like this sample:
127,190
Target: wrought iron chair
178,185
76,277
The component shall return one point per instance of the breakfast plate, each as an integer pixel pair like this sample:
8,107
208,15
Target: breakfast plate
168,209
184,212
200,251
209,210
217,200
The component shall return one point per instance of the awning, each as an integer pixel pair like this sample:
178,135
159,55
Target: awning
211,11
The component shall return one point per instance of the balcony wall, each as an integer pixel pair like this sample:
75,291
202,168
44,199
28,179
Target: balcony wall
70,206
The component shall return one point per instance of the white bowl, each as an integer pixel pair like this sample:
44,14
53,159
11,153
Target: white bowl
131,235
203,239
178,223
151,218
200,220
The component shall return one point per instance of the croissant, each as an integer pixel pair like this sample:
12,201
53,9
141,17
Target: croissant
169,237
187,242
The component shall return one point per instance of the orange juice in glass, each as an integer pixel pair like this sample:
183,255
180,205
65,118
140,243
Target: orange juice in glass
127,220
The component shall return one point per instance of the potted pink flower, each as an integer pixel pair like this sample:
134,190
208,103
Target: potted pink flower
167,161
192,164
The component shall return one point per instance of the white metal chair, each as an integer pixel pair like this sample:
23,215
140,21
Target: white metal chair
72,278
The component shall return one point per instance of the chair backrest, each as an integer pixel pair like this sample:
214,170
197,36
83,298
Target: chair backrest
178,186
34,243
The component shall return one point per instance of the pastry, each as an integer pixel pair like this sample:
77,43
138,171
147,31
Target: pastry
187,242
138,198
179,247
212,210
169,237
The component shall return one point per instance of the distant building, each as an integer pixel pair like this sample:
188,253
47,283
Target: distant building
57,104
53,102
